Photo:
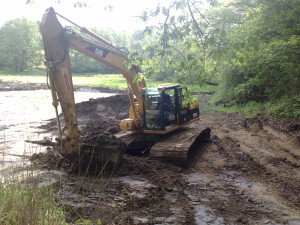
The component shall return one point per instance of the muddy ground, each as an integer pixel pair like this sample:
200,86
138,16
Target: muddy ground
249,174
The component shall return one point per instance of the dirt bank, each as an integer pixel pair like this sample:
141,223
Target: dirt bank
250,174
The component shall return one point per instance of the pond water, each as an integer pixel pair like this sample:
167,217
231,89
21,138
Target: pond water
21,112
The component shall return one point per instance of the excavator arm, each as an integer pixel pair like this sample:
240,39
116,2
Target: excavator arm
57,42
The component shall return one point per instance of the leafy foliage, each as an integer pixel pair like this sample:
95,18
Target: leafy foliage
263,51
286,107
20,45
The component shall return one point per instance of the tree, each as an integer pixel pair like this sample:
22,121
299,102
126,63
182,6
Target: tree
20,47
262,51
184,40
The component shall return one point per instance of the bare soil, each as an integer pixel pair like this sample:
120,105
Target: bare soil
249,174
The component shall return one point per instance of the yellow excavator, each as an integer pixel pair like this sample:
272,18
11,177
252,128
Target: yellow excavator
159,112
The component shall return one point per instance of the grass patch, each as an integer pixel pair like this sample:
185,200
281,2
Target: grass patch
286,108
24,78
26,203
93,80
250,109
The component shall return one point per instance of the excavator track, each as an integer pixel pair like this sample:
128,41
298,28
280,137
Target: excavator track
182,147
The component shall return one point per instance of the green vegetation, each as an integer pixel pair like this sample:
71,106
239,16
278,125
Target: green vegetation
250,109
20,46
286,107
26,203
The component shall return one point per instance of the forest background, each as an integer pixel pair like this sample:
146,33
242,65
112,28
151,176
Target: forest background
249,50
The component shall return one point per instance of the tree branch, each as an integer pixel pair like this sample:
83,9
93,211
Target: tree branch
200,32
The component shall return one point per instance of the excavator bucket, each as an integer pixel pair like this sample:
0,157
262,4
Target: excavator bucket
182,147
96,159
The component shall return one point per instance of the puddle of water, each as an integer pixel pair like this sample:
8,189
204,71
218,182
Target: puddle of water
204,214
197,178
294,222
177,218
139,220
8,162
206,185
139,187
255,189
49,177
133,183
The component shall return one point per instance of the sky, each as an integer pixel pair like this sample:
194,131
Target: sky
122,17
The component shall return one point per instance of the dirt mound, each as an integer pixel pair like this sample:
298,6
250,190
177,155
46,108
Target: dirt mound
97,115
100,117
50,159
104,109
289,126
284,125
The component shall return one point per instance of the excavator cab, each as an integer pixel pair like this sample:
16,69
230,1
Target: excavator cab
166,108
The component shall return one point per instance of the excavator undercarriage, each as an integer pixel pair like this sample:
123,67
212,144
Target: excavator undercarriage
182,147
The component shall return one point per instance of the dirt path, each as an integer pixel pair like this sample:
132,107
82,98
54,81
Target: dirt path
250,174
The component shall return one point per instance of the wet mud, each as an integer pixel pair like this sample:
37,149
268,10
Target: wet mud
249,174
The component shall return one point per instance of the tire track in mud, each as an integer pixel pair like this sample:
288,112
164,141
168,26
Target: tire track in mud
249,188
141,191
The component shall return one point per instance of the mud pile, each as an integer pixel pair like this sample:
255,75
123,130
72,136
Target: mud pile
102,114
98,121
